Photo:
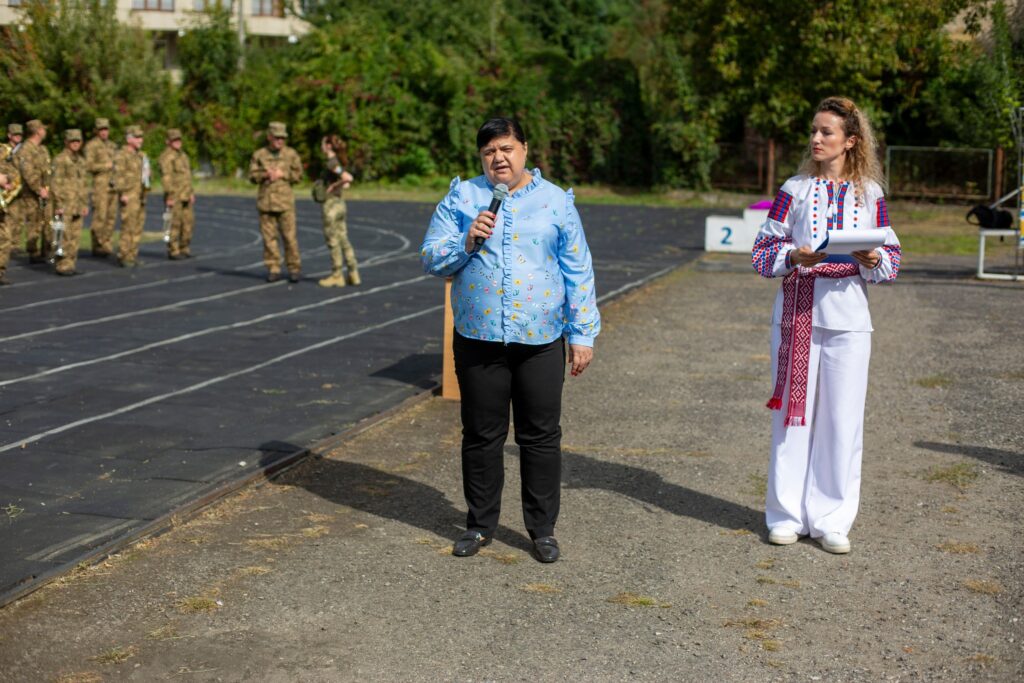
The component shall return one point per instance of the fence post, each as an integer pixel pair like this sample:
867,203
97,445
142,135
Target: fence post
449,382
770,184
997,190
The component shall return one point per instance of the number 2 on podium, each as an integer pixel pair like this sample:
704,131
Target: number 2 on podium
728,234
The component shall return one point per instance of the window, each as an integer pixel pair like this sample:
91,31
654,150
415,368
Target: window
203,5
14,3
268,8
159,5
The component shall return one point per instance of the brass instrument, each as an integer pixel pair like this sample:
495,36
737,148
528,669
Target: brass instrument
57,225
7,195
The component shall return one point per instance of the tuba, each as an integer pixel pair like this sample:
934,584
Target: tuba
7,196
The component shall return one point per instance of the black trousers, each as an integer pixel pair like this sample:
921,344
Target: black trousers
491,375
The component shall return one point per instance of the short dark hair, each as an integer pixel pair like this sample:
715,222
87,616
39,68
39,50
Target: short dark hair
499,128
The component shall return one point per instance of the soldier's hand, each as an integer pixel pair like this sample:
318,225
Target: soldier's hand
124,199
170,203
4,183
85,212
44,193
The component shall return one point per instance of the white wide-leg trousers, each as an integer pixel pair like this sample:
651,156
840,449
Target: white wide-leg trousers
814,472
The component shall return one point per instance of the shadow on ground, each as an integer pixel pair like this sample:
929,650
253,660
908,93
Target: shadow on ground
1007,461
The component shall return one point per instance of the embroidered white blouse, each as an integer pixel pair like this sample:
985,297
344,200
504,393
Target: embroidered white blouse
803,209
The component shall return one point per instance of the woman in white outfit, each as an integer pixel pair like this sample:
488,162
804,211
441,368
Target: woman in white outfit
821,327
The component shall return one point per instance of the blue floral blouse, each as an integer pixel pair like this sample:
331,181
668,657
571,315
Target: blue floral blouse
532,281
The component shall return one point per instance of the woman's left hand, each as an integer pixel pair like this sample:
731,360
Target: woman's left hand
579,358
868,259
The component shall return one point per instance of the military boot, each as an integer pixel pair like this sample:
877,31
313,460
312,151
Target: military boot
333,280
353,277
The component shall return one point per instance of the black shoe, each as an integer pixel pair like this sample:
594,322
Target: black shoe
100,253
273,276
545,549
126,264
185,254
36,259
66,273
470,543
4,280
294,277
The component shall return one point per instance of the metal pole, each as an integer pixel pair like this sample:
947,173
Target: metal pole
241,34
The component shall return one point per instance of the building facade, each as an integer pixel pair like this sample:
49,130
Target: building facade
167,20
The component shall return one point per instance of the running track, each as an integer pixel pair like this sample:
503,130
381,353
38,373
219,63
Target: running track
125,395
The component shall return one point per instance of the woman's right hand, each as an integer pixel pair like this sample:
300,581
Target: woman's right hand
806,257
482,226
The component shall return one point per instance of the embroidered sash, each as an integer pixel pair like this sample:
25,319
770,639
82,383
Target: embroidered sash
795,347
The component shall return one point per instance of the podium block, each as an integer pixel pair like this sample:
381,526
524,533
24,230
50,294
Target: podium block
730,233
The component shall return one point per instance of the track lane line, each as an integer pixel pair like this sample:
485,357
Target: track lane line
215,380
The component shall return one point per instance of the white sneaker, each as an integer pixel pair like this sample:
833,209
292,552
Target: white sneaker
782,536
835,542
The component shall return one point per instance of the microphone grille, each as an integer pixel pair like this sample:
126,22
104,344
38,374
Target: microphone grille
500,191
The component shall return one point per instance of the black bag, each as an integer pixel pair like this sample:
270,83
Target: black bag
990,219
319,192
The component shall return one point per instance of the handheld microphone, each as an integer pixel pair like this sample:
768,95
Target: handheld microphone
500,192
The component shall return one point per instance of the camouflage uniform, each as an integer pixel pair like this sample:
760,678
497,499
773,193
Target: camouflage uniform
99,159
336,228
33,162
130,183
176,175
275,202
70,199
8,169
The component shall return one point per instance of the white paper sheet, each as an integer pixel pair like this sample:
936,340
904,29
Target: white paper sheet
848,241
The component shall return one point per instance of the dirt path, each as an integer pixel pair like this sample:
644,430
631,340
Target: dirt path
339,570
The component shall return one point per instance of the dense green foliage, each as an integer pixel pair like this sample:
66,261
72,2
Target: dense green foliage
630,92
70,61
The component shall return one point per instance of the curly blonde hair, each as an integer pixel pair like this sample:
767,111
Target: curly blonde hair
862,159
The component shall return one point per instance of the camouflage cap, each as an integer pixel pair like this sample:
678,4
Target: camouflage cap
173,134
102,123
73,135
277,129
34,126
133,132
15,129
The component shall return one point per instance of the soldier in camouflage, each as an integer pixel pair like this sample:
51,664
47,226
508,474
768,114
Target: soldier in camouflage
28,210
131,182
99,159
8,179
176,175
275,168
70,195
335,179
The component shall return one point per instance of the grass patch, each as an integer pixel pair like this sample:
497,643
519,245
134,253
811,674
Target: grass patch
933,382
757,602
253,571
316,518
503,558
540,588
958,548
736,532
12,511
771,645
195,605
273,392
757,485
79,677
272,543
767,563
982,660
633,600
115,655
315,531
165,632
770,581
961,475
983,586
950,510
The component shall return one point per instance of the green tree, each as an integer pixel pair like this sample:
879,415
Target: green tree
69,61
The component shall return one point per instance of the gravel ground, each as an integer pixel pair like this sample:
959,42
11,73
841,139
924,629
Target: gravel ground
339,569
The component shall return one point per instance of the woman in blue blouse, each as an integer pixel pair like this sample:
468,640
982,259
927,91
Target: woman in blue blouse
517,298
